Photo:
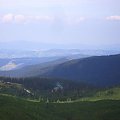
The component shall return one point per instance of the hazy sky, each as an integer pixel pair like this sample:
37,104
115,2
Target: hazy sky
39,24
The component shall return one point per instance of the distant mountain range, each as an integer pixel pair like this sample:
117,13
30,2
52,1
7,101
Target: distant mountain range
7,64
96,70
4,53
26,61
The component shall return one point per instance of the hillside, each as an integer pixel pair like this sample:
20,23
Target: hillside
102,71
53,89
98,70
14,89
12,108
107,94
32,66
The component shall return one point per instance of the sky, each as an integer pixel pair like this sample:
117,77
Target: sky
42,24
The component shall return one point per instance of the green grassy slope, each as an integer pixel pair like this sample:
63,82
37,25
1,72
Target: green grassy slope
12,108
14,89
108,94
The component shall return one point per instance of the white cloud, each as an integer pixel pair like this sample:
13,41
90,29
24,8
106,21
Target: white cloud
44,18
74,20
19,18
113,18
11,18
8,18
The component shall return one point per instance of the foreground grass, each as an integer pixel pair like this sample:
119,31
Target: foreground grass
108,94
12,108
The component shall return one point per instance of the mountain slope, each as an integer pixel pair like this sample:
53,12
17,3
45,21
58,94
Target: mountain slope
14,89
11,65
53,89
104,94
100,70
12,108
32,70
32,66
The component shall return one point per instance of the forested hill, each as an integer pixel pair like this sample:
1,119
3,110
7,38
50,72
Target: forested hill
99,70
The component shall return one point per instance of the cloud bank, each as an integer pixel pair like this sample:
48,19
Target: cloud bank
117,18
24,19
19,18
